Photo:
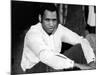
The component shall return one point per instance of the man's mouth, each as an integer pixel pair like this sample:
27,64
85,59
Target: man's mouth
50,28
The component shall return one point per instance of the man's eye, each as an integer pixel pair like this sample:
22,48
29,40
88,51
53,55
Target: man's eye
47,19
54,19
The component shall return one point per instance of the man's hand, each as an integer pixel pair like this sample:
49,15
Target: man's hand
93,64
83,66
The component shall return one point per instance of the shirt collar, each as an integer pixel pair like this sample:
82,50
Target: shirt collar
42,30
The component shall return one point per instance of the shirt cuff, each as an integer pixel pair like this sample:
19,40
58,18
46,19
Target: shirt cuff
69,64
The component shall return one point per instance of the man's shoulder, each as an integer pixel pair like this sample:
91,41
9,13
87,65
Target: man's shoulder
62,27
34,30
35,27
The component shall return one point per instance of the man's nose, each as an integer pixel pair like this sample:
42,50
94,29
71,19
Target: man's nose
51,23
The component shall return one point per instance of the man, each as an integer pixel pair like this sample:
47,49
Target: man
42,44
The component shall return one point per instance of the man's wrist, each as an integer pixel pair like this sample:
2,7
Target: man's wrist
92,64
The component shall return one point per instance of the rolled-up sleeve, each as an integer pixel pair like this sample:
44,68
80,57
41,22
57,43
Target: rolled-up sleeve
55,61
88,51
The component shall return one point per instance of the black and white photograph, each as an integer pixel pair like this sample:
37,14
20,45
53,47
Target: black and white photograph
52,37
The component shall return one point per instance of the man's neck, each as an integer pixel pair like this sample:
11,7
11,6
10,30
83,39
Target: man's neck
49,34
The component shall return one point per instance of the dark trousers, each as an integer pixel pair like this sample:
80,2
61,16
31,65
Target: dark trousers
75,53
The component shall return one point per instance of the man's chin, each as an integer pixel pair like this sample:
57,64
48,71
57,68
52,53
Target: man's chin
49,32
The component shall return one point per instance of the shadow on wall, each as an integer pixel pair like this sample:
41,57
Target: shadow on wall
23,15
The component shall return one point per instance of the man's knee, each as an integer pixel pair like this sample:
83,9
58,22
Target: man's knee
76,53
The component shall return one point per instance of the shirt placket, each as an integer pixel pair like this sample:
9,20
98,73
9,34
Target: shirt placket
51,43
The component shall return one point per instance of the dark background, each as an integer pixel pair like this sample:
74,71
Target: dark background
23,15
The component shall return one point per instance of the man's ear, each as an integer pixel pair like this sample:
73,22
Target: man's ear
40,18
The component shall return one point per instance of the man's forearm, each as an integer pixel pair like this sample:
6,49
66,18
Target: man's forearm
83,66
92,64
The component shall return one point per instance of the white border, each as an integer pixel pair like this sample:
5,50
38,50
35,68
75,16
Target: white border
5,36
5,27
86,2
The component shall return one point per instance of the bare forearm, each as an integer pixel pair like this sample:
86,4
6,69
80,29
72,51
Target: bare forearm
83,66
92,64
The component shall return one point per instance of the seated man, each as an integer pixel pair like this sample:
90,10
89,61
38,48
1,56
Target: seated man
42,45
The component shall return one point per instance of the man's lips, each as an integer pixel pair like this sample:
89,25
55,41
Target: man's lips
50,28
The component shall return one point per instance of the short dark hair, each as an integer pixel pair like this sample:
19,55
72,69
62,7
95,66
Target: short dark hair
48,6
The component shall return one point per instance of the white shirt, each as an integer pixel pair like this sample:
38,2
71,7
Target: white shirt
39,46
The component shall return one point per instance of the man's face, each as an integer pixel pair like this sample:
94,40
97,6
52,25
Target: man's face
49,21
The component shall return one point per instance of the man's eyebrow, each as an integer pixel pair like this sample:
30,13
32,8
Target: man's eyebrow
50,19
47,19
